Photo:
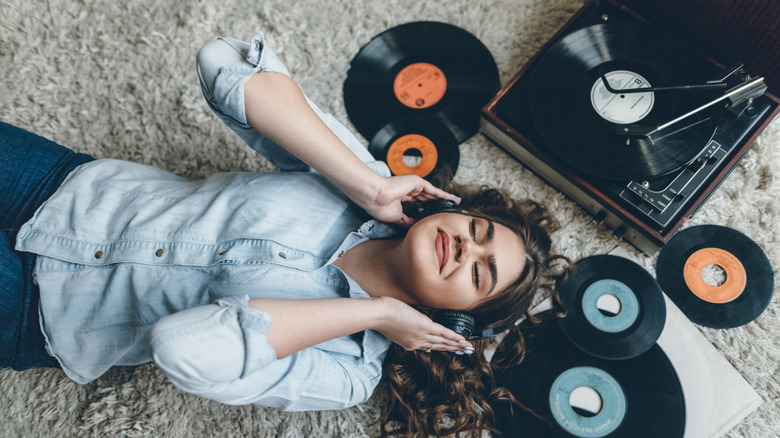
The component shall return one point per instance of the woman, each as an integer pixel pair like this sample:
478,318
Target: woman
243,287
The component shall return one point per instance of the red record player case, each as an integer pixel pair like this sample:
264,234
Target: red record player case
727,31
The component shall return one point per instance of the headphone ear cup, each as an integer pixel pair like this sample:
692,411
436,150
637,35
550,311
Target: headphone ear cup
419,210
461,323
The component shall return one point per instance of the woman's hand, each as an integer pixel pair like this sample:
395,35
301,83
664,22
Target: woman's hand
330,318
412,330
385,204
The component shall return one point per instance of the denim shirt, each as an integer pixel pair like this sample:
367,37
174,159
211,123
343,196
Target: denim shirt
136,264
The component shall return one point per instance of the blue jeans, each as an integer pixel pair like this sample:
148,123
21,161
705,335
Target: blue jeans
32,169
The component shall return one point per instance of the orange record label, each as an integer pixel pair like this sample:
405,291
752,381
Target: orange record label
736,276
420,85
396,151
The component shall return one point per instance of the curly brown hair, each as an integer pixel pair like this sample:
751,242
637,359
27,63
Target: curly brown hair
439,393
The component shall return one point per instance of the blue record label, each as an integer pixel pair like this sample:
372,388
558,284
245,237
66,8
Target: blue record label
625,317
613,406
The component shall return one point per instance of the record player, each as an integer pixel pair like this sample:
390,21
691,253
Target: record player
627,119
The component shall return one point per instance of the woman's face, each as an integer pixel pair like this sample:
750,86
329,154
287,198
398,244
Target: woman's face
456,260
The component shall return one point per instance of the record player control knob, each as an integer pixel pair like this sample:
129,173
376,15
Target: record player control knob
604,17
599,217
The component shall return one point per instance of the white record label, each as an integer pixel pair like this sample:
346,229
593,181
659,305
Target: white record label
622,108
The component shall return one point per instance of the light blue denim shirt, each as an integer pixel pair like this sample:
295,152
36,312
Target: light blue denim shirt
137,264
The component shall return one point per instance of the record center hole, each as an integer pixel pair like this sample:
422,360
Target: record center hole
713,275
412,157
609,305
586,401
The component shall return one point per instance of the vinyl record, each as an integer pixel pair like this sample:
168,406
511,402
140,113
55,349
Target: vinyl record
578,119
578,395
417,146
615,308
421,69
737,296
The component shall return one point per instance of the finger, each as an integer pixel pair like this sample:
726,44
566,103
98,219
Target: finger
451,343
437,193
449,335
447,346
457,345
424,197
444,345
425,188
405,221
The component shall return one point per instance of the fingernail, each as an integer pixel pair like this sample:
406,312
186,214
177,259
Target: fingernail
462,341
469,352
459,353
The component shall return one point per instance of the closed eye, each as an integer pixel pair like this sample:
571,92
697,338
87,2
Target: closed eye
491,230
476,266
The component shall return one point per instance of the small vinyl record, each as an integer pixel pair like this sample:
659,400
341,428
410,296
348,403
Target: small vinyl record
615,308
738,286
417,146
574,394
421,69
585,124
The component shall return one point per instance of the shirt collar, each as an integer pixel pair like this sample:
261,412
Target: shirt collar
374,343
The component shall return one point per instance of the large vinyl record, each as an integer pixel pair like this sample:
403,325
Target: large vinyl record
578,395
421,69
579,120
747,277
615,308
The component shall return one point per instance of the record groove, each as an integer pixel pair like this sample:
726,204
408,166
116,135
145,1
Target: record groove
744,295
432,142
421,69
640,318
578,119
641,396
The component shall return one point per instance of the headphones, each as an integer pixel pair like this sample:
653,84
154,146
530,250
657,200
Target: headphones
458,321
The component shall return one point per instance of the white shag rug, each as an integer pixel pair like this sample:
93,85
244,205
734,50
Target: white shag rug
116,79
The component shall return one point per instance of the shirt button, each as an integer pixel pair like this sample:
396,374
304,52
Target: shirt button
282,255
334,277
223,252
99,255
160,252
256,46
341,253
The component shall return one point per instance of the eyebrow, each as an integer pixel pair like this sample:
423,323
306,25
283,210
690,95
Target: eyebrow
491,230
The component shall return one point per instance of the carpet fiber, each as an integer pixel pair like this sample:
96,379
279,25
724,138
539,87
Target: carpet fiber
117,79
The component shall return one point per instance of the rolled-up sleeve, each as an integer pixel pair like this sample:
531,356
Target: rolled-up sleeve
225,64
221,352
207,344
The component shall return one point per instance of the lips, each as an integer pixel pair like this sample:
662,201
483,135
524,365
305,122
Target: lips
442,243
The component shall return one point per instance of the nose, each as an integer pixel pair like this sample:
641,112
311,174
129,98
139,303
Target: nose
465,248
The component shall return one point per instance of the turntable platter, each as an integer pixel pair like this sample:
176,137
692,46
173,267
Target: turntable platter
578,118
